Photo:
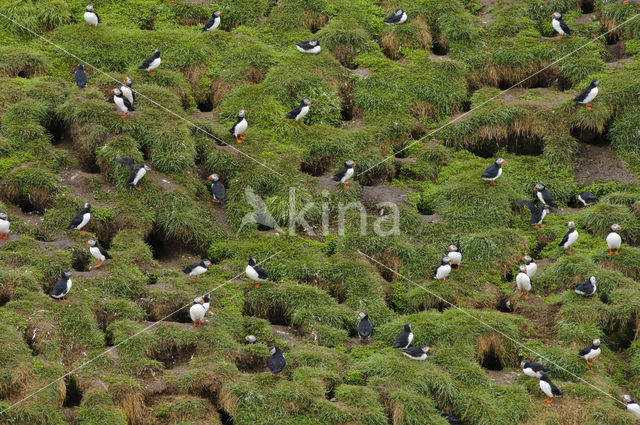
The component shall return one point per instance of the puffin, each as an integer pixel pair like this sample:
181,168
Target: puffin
62,286
81,219
538,213
549,388
126,90
586,198
276,361
587,95
345,173
455,256
533,369
587,288
569,238
299,111
494,171
213,22
613,239
560,25
417,353
5,225
251,339
151,63
137,171
442,271
545,197
311,46
98,252
404,338
91,17
591,352
217,189
632,406
399,16
199,309
122,103
523,282
196,269
255,273
532,267
240,126
364,327
80,77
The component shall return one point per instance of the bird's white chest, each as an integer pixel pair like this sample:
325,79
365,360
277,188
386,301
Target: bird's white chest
241,127
422,357
403,19
541,198
91,18
304,111
140,174
95,251
197,312
532,268
573,237
69,284
443,271
556,26
410,338
546,388
216,24
592,354
455,257
154,64
634,409
251,273
591,95
314,50
347,175
120,104
4,226
523,282
582,200
126,92
499,174
85,220
543,214
614,240
197,271
529,372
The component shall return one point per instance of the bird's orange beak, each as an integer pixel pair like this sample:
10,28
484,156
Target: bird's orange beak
355,163
504,161
70,274
148,171
87,244
245,111
220,13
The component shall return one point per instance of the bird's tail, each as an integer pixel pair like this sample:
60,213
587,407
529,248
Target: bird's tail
70,226
107,256
186,270
335,179
141,67
131,109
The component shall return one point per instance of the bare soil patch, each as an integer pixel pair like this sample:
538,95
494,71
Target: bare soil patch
599,164
371,196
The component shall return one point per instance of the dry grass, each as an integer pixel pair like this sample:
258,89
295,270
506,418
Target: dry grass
314,21
423,35
420,110
390,45
344,53
488,344
253,75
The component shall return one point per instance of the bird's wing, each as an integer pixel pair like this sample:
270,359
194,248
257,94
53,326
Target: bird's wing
59,287
145,64
584,351
294,112
304,45
190,268
565,27
262,274
401,340
565,238
207,24
104,252
340,174
76,220
276,363
586,288
413,351
548,198
364,328
538,366
391,18
126,160
127,103
588,197
491,171
218,191
554,390
529,204
81,78
583,95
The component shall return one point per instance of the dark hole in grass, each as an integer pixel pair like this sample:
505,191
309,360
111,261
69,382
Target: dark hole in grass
250,363
160,247
58,130
439,49
4,298
491,360
504,305
418,130
23,74
616,51
450,418
587,6
225,418
80,260
148,24
612,38
592,137
275,313
508,277
316,165
604,297
620,334
26,206
518,144
159,310
205,104
73,395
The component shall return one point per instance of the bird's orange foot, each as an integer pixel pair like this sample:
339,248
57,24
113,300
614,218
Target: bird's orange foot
256,285
617,251
569,252
559,37
97,266
588,107
238,140
458,268
589,363
215,201
138,188
542,225
520,294
549,400
610,252
535,226
81,233
526,296
626,2
492,182
152,73
194,324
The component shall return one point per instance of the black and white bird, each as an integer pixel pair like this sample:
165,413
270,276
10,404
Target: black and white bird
587,288
532,267
80,77
62,286
549,388
533,369
632,406
213,22
122,103
251,339
614,240
559,25
569,238
544,196
126,90
276,361
137,171
300,111
345,173
240,126
455,256
199,309
255,273
217,189
399,16
365,329
494,171
98,252
81,219
538,213
5,225
417,353
586,198
523,282
591,352
151,63
442,271
404,338
196,269
587,95
91,17
311,46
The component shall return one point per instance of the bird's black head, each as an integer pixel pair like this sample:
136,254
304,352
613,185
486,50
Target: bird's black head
117,92
206,262
87,206
156,53
216,13
539,186
595,82
398,12
89,8
500,161
349,163
252,262
313,42
65,274
3,215
273,350
363,315
407,327
306,102
80,66
206,298
92,242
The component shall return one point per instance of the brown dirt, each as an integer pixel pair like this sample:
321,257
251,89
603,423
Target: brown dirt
432,218
284,333
76,181
502,377
163,182
373,195
541,316
540,96
599,164
585,18
616,51
219,215
354,124
619,63
362,71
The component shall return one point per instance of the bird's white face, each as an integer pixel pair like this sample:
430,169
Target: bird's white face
117,92
596,341
313,42
593,280
616,227
272,351
306,101
217,13
361,315
557,15
522,364
350,163
398,12
3,215
523,268
87,205
426,349
207,263
527,258
500,161
127,80
539,186
241,113
92,242
572,224
67,273
89,8
446,259
626,397
452,248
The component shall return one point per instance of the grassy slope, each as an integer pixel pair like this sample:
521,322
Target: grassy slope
57,151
